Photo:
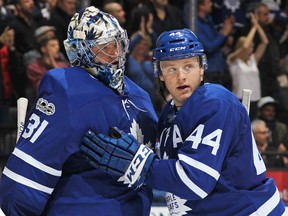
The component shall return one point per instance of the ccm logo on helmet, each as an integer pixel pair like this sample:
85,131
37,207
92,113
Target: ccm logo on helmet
177,48
175,34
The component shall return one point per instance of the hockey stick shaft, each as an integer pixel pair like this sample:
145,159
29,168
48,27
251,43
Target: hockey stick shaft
22,104
246,97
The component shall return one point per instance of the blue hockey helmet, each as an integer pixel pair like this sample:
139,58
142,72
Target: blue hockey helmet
92,28
178,44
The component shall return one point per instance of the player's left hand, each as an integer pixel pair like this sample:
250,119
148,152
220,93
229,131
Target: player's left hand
119,154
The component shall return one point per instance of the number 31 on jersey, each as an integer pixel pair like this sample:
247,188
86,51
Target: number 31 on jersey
34,128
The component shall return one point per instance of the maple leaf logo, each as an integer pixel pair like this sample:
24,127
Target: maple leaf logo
176,205
136,131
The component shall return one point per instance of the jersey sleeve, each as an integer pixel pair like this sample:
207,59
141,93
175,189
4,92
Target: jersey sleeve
35,165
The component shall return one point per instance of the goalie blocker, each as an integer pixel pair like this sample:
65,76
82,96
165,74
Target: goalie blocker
119,155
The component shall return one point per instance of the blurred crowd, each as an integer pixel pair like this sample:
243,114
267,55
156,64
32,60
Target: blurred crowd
245,41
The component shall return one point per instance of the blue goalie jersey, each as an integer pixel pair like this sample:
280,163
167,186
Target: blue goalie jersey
211,163
47,175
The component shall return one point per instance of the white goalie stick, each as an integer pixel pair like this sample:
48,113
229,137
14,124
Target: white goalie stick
22,104
246,96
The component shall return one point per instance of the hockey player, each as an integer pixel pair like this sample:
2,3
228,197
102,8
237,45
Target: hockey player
47,174
209,162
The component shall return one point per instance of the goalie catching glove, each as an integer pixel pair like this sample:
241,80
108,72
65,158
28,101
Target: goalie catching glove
119,154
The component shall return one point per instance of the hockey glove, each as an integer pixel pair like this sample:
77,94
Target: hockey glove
119,154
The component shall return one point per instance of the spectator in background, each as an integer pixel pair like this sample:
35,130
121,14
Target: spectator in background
140,70
279,30
24,26
6,59
139,61
60,19
261,135
43,11
267,111
269,64
224,8
141,23
165,16
32,55
41,32
243,67
49,49
115,9
213,41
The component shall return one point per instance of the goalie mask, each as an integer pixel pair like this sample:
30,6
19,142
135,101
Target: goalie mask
96,42
178,44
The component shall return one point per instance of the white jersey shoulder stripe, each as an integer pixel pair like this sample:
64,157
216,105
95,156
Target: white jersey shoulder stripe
25,181
268,206
191,185
203,167
33,162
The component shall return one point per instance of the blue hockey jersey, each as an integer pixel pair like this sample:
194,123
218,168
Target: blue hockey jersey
212,164
47,175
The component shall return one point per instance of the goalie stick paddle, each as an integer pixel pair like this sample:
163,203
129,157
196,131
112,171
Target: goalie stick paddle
22,104
246,96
